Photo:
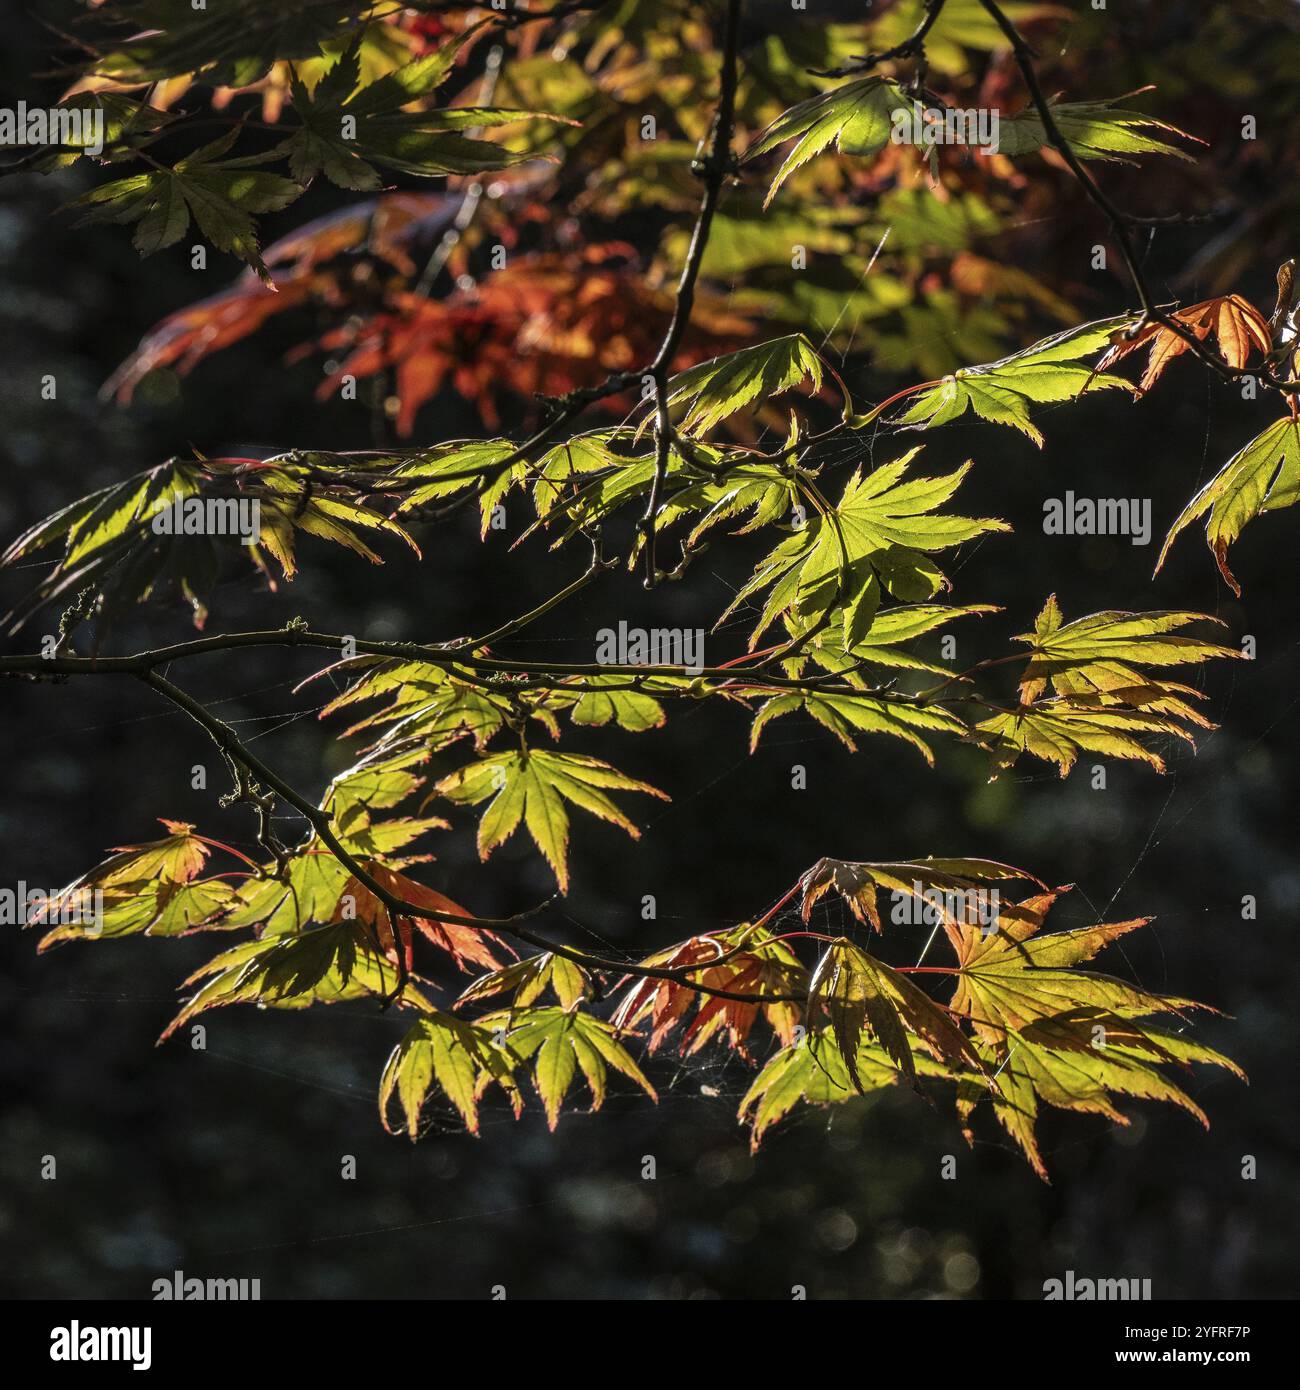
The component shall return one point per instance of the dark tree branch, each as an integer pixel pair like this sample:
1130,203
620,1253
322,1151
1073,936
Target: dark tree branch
911,47
714,169
1120,222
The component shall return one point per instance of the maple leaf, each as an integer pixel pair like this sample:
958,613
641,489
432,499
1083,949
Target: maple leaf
1002,391
1233,321
461,1058
291,501
857,118
1096,658
1103,703
311,886
547,323
128,126
879,534
1059,730
1067,1036
428,703
618,480
860,884
1263,476
378,782
845,715
99,533
301,273
1011,979
814,1071
760,488
568,463
234,45
881,645
221,194
424,143
150,889
183,339
466,945
1093,130
856,992
718,388
454,468
529,979
1080,1080
110,544
749,961
564,1042
295,969
608,699
533,786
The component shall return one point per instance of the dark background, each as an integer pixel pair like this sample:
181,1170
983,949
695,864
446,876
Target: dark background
227,1162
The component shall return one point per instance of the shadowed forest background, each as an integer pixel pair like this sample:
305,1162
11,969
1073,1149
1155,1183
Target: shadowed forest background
226,1162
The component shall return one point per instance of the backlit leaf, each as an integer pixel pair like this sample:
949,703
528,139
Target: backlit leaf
534,786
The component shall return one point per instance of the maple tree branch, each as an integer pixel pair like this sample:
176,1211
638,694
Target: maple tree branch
672,974
543,674
714,170
594,570
1024,57
508,16
233,748
321,822
1120,221
910,47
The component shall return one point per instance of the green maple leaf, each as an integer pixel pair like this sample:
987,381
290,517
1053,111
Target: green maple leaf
857,118
1012,978
462,1059
759,488
381,131
880,533
563,1042
1096,658
151,890
1103,702
425,703
289,502
881,644
856,992
233,44
1065,1036
1093,130
294,970
813,1071
109,542
529,979
1263,476
611,701
845,715
220,194
1003,391
718,388
1059,730
533,786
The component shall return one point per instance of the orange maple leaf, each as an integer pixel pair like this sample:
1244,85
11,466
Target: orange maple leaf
1237,325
